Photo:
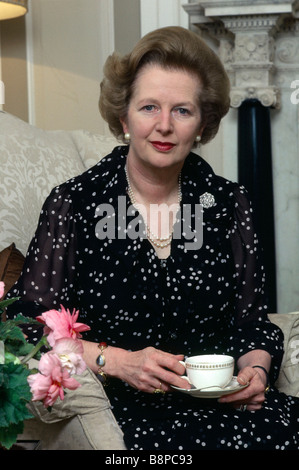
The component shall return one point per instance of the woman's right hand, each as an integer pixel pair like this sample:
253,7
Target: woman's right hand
150,369
146,370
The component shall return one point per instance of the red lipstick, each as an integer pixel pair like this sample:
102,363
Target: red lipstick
162,146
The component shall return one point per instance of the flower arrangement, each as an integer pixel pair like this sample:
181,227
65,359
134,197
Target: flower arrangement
18,384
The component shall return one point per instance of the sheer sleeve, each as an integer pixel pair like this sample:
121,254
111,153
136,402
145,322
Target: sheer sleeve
254,330
48,275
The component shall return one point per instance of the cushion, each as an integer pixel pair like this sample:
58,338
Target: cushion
92,147
11,264
32,162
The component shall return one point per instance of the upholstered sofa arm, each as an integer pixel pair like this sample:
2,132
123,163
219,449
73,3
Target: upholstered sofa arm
82,421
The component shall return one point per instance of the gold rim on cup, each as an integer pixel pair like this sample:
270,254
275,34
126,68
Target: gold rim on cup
203,366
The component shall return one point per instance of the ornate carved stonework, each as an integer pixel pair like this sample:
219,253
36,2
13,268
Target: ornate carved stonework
267,96
246,33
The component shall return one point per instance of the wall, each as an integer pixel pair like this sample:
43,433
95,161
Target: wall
13,68
66,45
67,63
127,28
285,149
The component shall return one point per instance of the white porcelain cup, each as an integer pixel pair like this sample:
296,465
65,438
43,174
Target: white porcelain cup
209,370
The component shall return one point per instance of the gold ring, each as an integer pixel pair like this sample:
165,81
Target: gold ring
159,390
242,408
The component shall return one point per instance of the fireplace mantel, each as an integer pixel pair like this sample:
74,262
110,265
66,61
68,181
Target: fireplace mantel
246,32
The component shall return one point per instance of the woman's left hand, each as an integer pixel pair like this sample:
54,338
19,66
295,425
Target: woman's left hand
252,396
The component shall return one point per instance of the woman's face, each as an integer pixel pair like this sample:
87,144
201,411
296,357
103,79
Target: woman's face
163,116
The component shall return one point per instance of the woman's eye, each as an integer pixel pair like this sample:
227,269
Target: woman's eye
182,111
149,108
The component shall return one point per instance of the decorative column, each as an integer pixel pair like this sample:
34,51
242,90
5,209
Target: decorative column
244,33
255,173
254,93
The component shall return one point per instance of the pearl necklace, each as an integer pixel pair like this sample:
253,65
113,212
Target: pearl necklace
160,242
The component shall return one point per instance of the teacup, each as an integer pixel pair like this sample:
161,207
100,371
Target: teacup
209,370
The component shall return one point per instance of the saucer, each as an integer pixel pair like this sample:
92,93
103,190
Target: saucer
213,392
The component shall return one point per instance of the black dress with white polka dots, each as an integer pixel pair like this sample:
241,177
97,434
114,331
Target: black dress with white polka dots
206,300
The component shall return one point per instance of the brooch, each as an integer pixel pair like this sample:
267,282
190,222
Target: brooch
207,200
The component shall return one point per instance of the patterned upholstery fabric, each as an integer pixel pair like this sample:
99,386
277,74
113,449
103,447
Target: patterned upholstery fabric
288,380
32,162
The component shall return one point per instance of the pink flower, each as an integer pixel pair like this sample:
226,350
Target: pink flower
70,353
61,324
48,385
65,359
2,285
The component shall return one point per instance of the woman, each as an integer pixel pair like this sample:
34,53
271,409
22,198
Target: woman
150,297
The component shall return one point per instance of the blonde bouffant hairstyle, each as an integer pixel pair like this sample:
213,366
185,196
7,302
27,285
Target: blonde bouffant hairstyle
170,48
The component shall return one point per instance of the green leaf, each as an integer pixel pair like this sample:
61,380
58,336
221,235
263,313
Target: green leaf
21,320
5,303
11,358
8,330
14,389
21,350
8,435
2,352
13,337
14,394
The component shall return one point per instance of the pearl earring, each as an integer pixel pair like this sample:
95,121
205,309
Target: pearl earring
127,137
198,139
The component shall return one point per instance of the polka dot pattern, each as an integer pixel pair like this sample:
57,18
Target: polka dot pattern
209,300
